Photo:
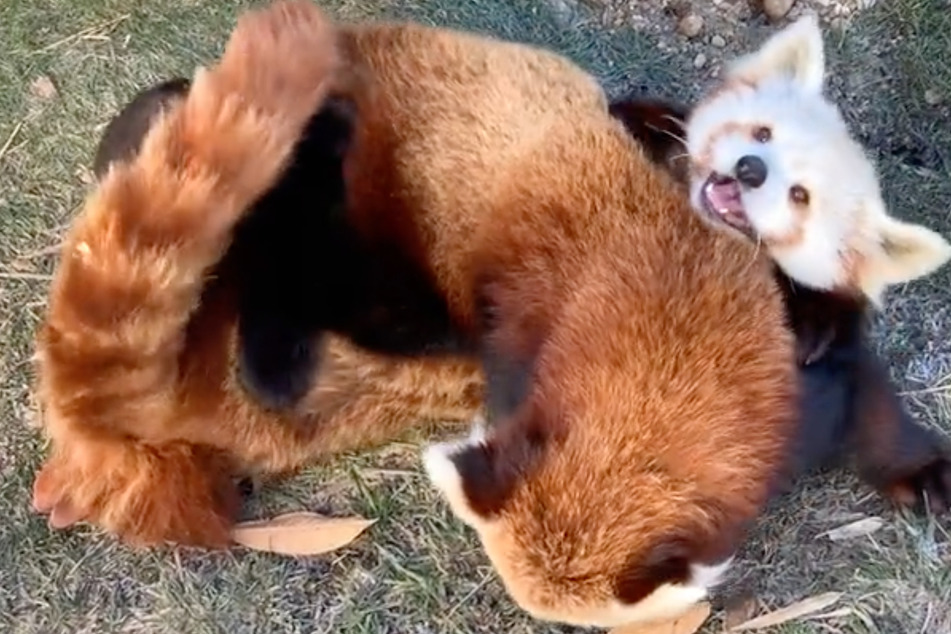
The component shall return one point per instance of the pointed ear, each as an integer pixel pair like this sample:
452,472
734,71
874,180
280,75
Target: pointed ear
698,551
478,475
795,52
668,561
906,252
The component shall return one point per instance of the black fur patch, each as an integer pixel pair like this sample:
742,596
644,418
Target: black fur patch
667,562
303,269
123,136
508,383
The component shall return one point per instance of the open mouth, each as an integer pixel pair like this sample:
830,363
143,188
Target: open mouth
721,200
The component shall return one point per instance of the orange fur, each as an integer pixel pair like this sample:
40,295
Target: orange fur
661,371
133,361
661,404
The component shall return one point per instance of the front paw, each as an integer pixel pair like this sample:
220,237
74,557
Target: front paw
911,468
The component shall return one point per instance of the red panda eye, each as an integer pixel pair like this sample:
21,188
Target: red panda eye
762,134
799,195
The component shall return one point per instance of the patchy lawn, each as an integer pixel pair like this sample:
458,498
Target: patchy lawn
67,65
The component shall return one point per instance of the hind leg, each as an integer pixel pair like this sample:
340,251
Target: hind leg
907,463
145,495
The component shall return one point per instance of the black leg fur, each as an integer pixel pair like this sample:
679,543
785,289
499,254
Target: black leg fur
304,269
272,256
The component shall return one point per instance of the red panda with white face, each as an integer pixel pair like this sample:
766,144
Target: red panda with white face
772,160
834,272
629,349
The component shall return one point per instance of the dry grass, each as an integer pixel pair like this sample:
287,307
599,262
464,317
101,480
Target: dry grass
418,570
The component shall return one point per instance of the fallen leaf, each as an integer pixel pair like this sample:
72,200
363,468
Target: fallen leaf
85,175
688,623
43,87
797,610
300,533
852,530
739,610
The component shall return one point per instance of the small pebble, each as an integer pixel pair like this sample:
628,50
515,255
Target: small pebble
43,87
699,61
690,26
777,9
718,41
932,97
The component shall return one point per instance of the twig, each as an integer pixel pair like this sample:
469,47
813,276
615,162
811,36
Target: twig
10,139
934,389
40,253
84,33
25,276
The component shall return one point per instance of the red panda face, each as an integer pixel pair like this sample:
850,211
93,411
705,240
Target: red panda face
772,161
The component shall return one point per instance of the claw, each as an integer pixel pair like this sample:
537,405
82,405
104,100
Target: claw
64,515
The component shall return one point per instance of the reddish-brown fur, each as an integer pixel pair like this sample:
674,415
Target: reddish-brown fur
167,396
146,422
655,349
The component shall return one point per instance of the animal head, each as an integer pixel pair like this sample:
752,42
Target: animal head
563,558
772,159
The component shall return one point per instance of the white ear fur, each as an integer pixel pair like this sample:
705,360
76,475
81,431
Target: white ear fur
907,252
796,51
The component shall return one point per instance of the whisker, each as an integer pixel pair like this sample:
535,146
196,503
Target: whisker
680,122
759,244
668,133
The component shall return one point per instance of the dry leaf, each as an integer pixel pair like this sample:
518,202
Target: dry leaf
791,612
85,175
860,528
43,87
300,533
739,610
688,623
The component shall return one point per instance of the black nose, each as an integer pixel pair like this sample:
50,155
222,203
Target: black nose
751,171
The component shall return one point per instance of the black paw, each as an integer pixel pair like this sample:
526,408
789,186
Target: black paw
915,472
278,368
926,489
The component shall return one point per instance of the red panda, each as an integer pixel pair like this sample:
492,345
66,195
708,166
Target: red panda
769,159
146,423
628,348
848,402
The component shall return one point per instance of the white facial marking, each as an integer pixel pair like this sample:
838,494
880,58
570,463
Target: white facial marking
808,146
665,603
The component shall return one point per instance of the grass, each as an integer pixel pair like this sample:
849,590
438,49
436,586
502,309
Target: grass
418,570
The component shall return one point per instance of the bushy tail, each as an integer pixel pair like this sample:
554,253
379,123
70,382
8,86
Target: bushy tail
135,261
